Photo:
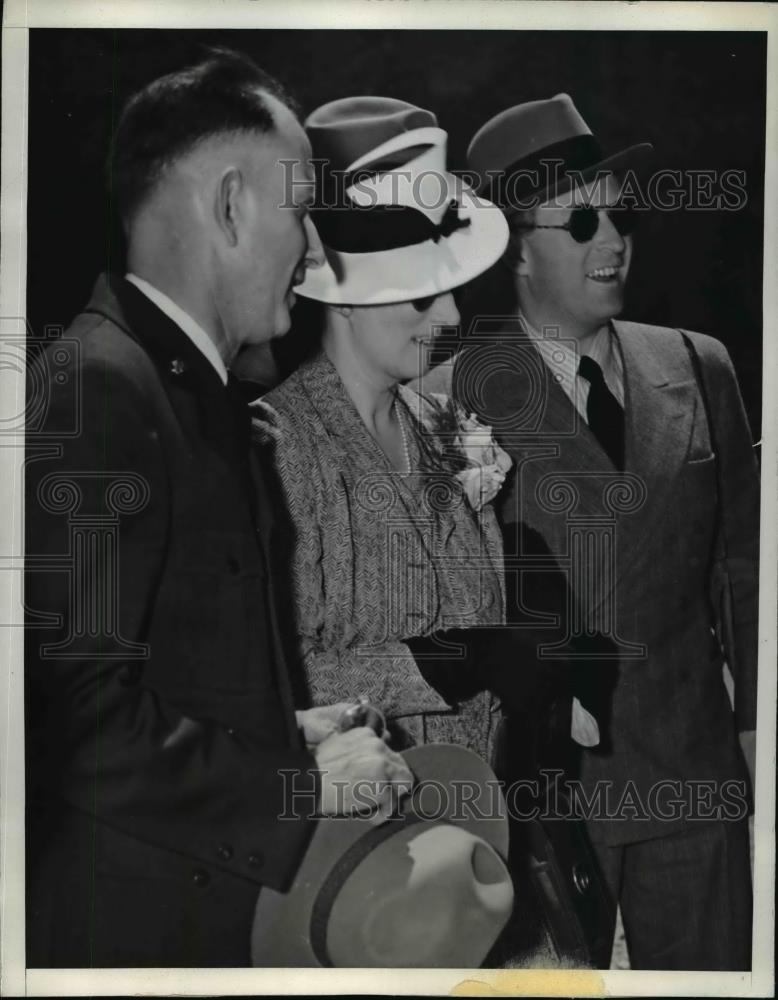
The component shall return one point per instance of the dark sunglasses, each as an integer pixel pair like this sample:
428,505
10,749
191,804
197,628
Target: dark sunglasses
585,221
422,305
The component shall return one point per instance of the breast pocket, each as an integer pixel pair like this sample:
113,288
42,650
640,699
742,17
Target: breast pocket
217,610
698,476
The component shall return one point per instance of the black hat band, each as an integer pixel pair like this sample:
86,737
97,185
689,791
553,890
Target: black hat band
355,228
345,865
522,179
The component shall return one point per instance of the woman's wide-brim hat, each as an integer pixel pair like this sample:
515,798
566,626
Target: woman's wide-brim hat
395,224
528,154
426,888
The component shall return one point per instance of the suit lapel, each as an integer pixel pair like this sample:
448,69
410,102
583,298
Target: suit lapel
552,445
537,423
660,404
206,410
178,360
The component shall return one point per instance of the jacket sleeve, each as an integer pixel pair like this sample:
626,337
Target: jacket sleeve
104,740
736,572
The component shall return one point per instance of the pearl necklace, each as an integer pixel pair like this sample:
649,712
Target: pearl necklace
406,450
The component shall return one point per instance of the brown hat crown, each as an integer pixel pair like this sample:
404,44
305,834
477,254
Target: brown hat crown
345,130
534,150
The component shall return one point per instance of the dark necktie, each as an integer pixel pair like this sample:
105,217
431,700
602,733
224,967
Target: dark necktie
603,413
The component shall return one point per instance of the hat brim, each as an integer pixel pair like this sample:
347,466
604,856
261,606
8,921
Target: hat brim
435,896
280,936
413,272
633,156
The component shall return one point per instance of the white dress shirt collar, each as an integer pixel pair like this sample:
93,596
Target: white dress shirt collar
560,355
563,356
182,319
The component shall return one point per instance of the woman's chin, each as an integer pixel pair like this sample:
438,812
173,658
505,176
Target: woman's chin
422,366
283,323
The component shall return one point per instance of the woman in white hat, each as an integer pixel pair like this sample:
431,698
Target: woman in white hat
386,488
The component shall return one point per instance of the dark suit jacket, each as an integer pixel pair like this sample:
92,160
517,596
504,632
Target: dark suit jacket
159,710
649,607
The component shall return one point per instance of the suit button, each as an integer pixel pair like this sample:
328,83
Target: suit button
581,879
256,859
201,878
130,674
224,851
230,731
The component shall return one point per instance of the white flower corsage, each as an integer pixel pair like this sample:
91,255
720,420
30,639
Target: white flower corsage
476,461
487,463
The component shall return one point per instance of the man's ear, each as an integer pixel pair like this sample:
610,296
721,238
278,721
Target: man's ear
228,204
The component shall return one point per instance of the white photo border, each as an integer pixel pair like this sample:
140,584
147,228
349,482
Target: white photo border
19,16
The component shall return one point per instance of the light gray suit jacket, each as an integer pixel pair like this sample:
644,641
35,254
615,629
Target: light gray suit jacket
644,553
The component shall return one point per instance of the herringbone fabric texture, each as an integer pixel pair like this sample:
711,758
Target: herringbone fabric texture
379,556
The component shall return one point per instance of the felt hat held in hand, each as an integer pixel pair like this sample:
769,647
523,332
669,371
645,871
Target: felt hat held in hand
427,888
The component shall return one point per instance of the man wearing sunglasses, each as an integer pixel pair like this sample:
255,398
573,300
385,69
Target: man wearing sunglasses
631,519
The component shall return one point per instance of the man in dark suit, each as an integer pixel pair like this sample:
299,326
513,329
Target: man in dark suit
168,778
635,483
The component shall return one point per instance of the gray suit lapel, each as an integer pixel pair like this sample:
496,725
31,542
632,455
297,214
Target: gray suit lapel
660,403
660,407
564,481
566,467
550,442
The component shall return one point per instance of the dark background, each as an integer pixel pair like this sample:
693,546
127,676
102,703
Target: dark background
699,97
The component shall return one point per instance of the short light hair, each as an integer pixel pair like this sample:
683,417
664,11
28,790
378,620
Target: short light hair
166,119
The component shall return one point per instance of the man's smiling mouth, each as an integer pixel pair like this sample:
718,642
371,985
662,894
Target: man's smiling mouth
603,273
